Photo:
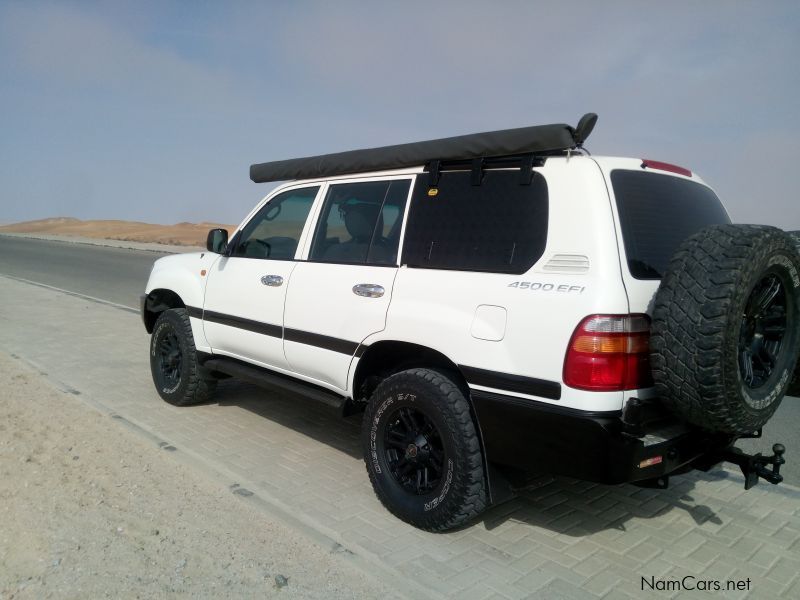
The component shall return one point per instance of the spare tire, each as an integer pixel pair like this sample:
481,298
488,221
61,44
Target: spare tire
726,327
794,386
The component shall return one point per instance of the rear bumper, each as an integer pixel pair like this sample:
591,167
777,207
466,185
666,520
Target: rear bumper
538,436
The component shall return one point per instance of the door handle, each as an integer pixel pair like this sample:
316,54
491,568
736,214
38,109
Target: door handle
272,280
368,290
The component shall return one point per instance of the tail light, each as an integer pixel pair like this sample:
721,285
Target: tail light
609,353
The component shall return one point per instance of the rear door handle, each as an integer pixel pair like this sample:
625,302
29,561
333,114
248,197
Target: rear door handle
272,280
368,290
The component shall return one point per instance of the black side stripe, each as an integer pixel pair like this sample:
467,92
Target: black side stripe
195,312
290,335
320,341
241,323
512,383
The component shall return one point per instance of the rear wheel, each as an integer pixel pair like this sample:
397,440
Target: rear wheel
422,450
178,377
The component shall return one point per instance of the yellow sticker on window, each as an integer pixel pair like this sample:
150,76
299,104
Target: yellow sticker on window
433,191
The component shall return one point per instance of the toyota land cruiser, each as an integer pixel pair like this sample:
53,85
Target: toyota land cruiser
494,303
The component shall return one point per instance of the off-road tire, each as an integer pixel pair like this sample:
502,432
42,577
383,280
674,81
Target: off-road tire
698,319
193,384
460,494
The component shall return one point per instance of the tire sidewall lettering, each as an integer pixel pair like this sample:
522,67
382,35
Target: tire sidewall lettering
376,420
786,263
373,433
445,488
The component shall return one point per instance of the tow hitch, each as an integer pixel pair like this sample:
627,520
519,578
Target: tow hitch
754,466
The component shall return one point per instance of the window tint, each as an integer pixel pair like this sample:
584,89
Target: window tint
657,212
275,230
498,226
360,223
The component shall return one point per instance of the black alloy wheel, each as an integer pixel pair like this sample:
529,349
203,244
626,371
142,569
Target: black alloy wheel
414,451
763,330
170,359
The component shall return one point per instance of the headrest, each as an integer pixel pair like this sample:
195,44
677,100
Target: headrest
360,221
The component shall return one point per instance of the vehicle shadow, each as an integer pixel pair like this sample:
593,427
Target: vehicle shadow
318,421
559,504
578,508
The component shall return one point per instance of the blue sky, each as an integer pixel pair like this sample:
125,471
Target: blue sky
154,111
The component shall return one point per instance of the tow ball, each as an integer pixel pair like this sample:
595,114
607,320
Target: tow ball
754,466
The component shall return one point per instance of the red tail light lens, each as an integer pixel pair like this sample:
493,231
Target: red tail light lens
609,353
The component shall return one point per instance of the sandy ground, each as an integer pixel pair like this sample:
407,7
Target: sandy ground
180,234
90,510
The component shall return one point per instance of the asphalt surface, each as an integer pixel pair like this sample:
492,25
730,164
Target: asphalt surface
119,275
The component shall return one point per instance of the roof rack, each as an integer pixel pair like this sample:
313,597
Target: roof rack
490,144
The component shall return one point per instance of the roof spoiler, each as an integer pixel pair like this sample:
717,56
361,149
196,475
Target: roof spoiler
506,142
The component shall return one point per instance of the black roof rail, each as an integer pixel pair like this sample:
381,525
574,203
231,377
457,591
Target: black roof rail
506,142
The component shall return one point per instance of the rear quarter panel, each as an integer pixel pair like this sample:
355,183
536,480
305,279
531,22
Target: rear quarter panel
437,308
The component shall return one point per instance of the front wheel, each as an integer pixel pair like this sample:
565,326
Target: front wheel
178,377
422,451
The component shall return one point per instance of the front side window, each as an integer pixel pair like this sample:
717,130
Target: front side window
499,226
274,232
360,223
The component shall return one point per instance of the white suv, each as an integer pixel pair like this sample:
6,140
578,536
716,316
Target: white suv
495,303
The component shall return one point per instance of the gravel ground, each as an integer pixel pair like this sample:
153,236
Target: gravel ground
89,510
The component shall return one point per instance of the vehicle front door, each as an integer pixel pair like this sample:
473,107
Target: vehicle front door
341,294
246,289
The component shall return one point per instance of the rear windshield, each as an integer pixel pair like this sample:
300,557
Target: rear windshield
657,213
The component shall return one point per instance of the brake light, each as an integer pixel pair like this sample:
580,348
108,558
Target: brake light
662,166
609,353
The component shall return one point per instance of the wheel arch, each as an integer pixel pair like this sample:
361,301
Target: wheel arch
156,302
383,358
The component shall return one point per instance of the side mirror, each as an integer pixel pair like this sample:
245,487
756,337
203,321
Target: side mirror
217,241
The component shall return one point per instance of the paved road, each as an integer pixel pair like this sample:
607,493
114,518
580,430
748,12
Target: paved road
567,539
114,274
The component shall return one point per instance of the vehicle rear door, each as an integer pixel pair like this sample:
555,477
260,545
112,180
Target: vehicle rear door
341,293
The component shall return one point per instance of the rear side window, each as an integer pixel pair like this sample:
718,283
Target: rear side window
360,223
499,226
657,212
